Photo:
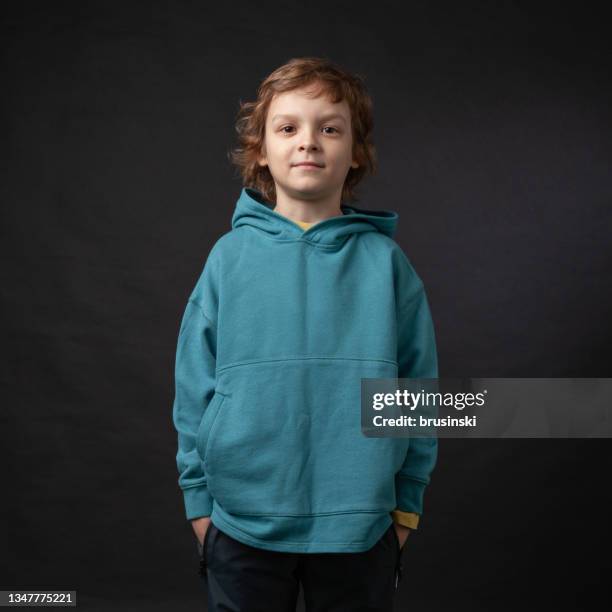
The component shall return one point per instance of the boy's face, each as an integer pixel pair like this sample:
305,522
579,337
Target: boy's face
301,128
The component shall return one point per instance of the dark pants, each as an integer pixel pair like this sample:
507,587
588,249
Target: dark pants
247,579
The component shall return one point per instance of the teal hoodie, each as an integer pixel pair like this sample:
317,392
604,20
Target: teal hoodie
277,334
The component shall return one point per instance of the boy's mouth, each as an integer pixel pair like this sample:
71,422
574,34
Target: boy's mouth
308,165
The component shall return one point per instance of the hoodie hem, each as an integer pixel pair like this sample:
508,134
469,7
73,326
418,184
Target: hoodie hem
330,533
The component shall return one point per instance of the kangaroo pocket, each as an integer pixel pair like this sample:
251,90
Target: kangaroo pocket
207,423
284,438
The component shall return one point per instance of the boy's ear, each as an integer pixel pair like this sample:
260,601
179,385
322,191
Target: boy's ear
354,163
262,160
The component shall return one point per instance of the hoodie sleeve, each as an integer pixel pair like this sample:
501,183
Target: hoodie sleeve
195,381
417,358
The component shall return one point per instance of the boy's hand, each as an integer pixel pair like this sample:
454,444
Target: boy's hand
200,525
402,533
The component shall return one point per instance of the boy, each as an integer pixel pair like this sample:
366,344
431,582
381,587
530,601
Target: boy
303,298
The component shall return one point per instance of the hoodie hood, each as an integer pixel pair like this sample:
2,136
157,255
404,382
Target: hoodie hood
251,209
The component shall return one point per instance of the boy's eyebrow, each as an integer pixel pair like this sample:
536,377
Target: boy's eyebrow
323,118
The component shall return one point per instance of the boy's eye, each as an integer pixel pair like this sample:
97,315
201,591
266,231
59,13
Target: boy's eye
329,127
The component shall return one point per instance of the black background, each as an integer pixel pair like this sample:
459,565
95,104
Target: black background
494,143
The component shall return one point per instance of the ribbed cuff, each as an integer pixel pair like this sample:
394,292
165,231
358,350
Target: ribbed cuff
198,502
409,495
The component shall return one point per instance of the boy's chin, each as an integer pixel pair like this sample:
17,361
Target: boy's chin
307,190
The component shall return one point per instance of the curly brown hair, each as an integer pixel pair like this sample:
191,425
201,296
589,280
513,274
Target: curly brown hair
333,81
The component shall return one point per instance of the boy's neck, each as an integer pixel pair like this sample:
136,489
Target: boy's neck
307,211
